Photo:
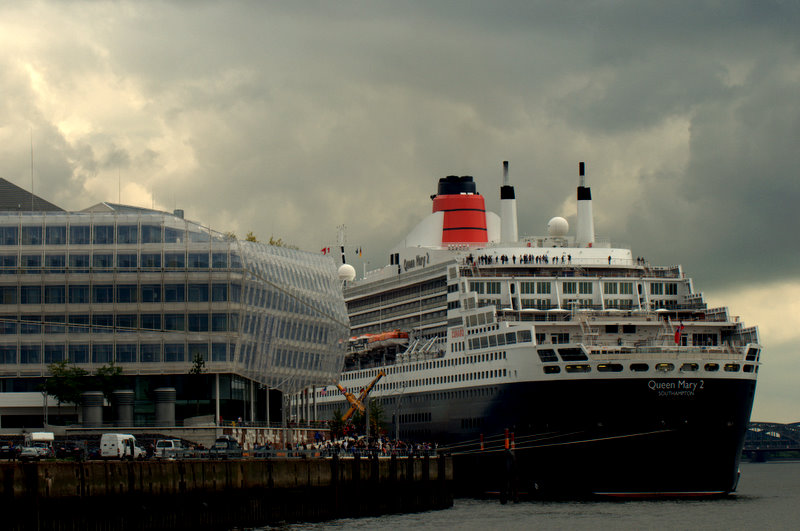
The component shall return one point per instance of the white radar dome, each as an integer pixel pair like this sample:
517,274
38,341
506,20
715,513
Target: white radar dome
347,272
557,226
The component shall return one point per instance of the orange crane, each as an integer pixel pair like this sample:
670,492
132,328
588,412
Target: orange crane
358,403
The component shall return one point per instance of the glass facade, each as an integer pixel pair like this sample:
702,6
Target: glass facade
150,291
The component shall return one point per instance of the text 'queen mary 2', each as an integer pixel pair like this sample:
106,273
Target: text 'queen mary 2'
612,374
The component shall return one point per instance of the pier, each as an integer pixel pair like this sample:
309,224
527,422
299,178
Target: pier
214,494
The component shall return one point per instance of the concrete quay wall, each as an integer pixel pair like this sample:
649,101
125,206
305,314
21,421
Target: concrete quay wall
214,494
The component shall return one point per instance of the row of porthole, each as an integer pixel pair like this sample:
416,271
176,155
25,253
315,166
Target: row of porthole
644,367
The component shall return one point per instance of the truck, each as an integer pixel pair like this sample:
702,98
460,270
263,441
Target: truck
42,441
120,446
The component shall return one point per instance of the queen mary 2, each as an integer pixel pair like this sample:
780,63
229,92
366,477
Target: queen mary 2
610,374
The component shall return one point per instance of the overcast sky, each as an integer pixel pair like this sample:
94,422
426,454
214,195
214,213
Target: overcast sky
290,118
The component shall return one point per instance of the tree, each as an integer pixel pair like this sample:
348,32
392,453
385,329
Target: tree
196,372
280,243
108,379
336,425
250,237
66,382
376,420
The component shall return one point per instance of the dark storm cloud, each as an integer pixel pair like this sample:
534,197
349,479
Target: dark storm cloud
308,115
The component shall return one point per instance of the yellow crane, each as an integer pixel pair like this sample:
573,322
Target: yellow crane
358,403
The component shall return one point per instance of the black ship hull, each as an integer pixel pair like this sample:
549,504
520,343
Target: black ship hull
638,437
627,437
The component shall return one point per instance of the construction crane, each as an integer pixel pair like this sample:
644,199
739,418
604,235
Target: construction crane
358,403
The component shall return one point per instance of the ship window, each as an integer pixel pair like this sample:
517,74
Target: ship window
492,341
609,367
711,367
612,329
547,355
572,354
524,336
748,368
732,367
578,368
628,329
752,354
665,367
511,338
501,340
552,369
689,367
640,367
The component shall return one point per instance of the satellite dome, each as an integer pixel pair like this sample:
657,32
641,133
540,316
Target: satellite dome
347,272
557,226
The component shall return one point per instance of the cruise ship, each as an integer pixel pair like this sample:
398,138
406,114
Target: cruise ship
596,371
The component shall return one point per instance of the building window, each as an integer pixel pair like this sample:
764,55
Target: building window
174,293
32,235
127,322
55,263
102,262
219,292
55,235
150,260
30,354
30,294
79,235
127,234
175,260
198,260
103,294
174,235
79,353
8,264
219,260
126,293
54,294
53,353
670,288
150,353
79,294
150,321
9,236
103,234
102,353
102,323
79,263
126,353
198,292
198,322
218,352
198,350
8,354
219,322
175,322
151,233
8,294
31,264
174,352
656,288
79,324
151,293
126,260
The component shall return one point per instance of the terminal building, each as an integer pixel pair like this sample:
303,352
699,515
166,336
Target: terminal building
154,294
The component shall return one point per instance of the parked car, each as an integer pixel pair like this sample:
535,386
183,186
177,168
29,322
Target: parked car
225,447
29,453
169,448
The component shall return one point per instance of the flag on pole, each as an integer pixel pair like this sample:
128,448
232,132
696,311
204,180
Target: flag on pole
678,334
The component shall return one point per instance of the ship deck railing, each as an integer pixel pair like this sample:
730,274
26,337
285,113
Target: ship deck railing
628,269
666,352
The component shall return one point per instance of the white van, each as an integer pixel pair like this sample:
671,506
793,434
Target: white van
168,448
119,446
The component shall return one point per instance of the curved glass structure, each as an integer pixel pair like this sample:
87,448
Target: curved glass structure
152,292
